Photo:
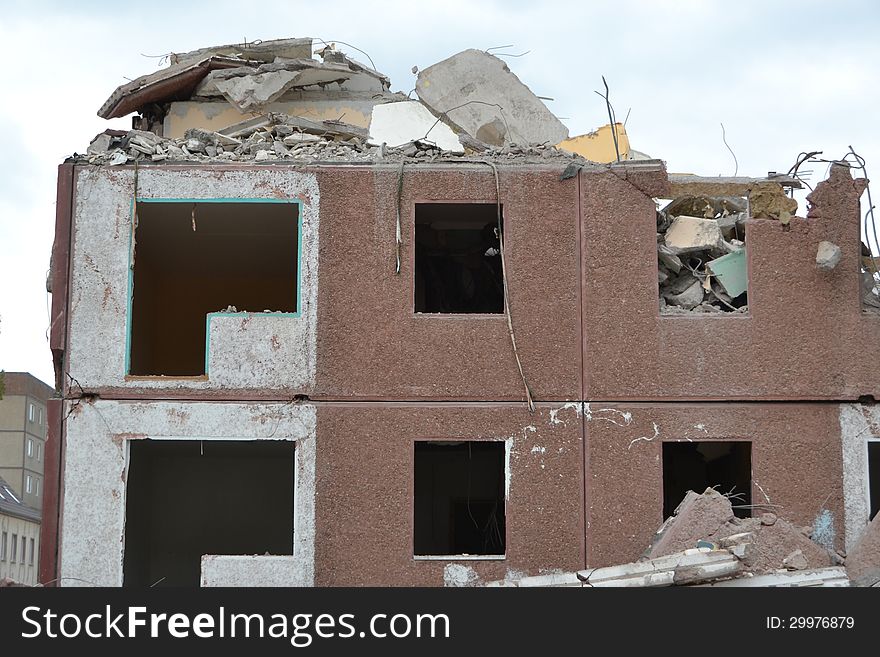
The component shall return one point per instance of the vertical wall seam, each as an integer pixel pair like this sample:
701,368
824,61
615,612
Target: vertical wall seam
585,458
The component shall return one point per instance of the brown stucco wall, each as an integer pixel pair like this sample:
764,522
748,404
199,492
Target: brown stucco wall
364,490
806,336
796,465
582,274
371,345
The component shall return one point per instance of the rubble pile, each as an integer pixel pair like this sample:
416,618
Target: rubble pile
270,101
280,141
701,255
704,544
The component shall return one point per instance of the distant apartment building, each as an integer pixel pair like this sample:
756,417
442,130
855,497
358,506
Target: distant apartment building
19,538
23,425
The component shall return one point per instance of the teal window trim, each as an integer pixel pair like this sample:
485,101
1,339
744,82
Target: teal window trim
299,265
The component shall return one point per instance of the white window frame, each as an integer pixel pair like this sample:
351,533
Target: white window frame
39,451
37,486
30,412
30,447
28,485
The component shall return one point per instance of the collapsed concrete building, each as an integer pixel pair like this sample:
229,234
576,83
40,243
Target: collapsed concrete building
307,331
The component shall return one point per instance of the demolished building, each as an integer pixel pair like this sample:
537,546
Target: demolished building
308,331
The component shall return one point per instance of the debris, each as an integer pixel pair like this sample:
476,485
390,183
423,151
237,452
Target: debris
710,517
179,79
476,93
824,577
863,561
253,92
730,271
688,298
827,255
598,146
688,234
768,519
698,516
795,561
396,124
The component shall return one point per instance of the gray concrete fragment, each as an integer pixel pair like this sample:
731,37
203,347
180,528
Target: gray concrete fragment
690,298
688,234
796,561
477,93
100,144
863,561
827,255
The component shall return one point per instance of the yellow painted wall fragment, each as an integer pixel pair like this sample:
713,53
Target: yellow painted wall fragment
598,146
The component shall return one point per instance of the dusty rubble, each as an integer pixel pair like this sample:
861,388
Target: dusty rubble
705,544
273,101
863,561
701,254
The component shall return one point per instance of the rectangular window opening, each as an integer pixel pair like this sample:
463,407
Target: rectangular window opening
28,484
31,557
12,558
186,499
701,253
30,412
874,477
725,466
457,259
196,258
459,505
30,447
3,546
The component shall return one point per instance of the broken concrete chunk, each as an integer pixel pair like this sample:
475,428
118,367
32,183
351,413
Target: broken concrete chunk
863,561
478,93
395,124
100,144
211,137
698,516
795,561
252,92
689,298
731,273
207,88
688,234
827,255
668,259
298,138
768,200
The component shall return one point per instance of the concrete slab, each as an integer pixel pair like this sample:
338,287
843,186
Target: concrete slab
485,99
396,124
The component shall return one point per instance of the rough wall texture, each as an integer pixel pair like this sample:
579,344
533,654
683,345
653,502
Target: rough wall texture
100,283
796,465
364,492
805,337
96,465
582,277
372,345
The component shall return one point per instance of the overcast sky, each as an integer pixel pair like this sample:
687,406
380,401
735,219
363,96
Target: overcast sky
783,77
